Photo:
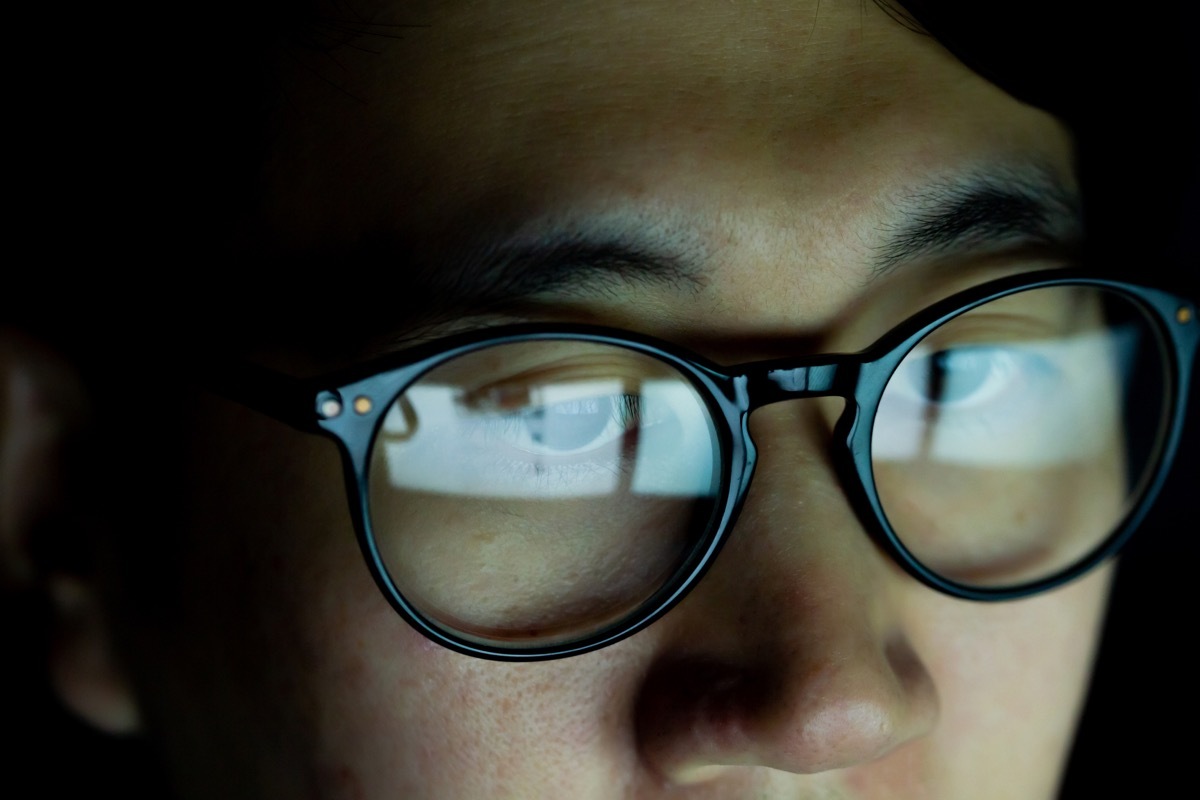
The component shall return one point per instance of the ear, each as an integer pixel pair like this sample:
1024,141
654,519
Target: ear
43,411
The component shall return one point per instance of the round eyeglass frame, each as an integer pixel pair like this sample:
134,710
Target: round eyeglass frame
349,407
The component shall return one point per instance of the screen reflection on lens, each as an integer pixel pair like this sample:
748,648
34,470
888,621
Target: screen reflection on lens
537,492
1000,446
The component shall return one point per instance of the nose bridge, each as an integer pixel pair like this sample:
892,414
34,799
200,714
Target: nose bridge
797,655
776,381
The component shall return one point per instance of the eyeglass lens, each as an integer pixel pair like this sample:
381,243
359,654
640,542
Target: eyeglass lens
1011,442
536,492
533,493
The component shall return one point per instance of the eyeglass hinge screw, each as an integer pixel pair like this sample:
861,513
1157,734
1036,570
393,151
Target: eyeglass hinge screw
329,405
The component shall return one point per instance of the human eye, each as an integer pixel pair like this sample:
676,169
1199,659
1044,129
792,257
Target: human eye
975,378
1001,399
575,439
559,422
553,485
968,402
547,432
550,420
1001,442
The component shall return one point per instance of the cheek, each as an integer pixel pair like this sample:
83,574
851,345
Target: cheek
399,716
516,571
1002,527
290,674
1012,678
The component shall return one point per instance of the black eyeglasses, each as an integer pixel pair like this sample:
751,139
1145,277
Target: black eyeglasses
540,491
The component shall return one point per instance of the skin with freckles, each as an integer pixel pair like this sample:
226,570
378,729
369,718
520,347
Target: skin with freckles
770,146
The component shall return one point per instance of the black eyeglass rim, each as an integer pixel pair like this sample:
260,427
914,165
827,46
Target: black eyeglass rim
731,393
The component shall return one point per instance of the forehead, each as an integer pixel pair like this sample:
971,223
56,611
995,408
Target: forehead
501,111
766,148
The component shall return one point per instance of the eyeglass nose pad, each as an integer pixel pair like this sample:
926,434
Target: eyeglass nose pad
826,426
849,451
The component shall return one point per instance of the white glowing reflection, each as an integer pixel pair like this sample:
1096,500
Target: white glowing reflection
565,440
1021,403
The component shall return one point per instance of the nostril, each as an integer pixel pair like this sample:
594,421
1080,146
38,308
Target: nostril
695,713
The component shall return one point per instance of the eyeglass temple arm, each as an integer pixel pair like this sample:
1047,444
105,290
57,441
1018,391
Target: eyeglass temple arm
282,397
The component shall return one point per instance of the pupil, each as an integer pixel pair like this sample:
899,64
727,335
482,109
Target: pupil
955,375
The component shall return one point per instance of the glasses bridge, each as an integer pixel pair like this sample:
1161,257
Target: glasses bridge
774,382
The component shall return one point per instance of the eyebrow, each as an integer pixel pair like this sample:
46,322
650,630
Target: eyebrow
570,262
979,213
976,212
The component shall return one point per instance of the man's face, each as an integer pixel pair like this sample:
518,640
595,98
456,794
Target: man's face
771,149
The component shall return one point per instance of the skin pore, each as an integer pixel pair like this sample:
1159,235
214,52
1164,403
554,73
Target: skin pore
768,157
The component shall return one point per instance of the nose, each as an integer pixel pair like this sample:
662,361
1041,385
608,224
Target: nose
793,652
